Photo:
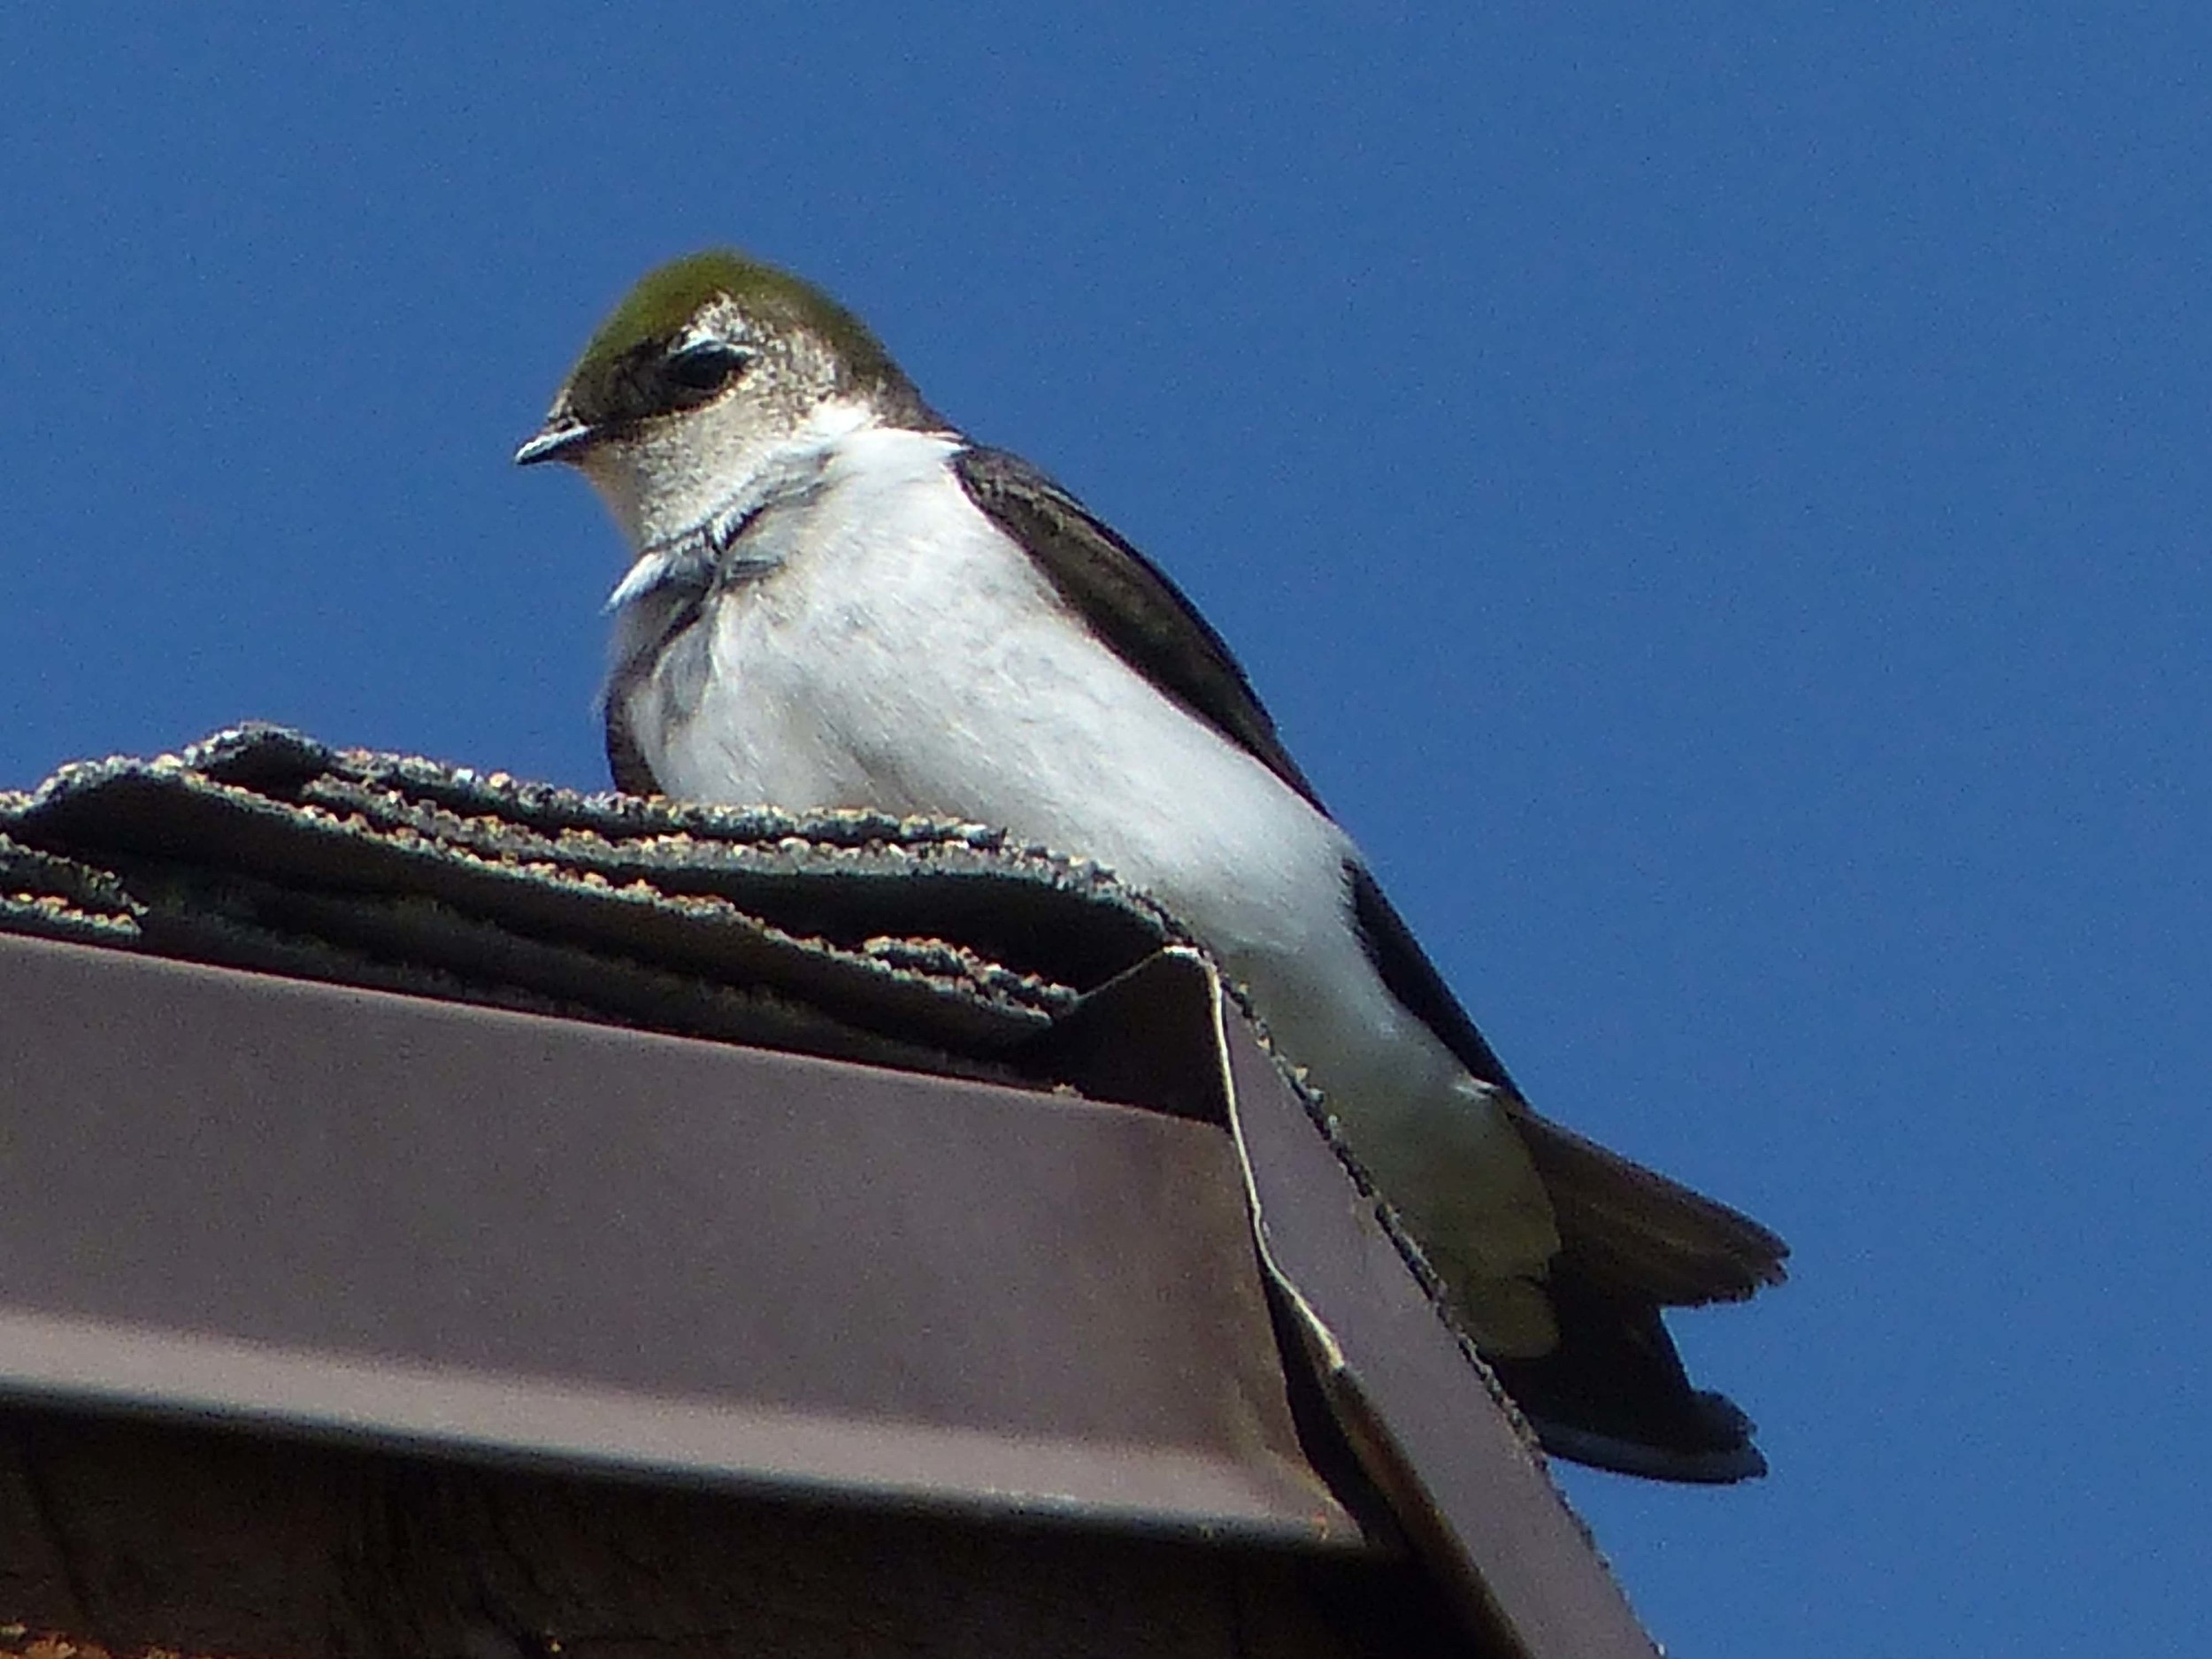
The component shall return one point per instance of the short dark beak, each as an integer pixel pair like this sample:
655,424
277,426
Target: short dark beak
558,440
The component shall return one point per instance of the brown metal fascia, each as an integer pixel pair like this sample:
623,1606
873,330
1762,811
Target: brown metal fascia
343,1211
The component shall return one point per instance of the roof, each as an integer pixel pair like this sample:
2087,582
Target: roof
981,1192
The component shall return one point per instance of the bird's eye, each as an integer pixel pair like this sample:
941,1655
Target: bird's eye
706,368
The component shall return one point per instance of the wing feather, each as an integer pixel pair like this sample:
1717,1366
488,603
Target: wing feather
1126,599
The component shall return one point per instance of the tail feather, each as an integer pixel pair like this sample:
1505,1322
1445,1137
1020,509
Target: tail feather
1632,1230
1613,1394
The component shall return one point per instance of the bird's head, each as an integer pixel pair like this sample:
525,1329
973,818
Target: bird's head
711,368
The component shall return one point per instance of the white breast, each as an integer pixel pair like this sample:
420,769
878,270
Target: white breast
906,656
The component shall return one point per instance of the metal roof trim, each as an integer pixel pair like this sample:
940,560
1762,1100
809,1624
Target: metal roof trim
284,1203
544,1422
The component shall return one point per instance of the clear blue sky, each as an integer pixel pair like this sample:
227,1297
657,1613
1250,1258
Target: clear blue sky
1716,496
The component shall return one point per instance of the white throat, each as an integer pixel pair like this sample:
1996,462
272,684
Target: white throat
705,475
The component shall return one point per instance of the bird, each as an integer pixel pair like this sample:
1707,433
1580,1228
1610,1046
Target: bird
837,598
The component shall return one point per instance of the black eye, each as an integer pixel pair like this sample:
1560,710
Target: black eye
706,368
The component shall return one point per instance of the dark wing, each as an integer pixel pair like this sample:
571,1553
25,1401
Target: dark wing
1406,971
1124,599
649,622
624,759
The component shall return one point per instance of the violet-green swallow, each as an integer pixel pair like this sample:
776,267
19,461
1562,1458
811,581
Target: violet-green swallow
837,599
